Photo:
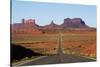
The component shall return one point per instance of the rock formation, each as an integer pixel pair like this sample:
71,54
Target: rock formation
26,27
74,23
30,27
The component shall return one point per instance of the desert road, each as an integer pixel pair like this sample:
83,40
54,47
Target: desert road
60,57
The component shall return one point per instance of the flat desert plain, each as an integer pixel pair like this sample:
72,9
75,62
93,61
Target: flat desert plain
75,42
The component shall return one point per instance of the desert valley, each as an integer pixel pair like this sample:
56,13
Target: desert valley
77,38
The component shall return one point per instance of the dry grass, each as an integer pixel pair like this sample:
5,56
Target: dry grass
83,43
78,43
44,43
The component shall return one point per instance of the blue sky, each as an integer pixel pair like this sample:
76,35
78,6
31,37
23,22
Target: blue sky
44,13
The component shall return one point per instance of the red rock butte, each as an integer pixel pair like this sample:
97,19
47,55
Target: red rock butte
26,27
29,26
28,21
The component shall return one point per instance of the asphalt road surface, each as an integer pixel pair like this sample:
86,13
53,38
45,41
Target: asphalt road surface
59,57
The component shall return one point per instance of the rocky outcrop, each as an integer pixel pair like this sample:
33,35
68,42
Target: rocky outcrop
26,27
30,27
51,26
74,23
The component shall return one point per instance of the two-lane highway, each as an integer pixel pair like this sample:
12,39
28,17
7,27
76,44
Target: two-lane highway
59,57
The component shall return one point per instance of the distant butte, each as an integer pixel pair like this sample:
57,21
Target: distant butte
29,26
74,23
51,26
26,27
